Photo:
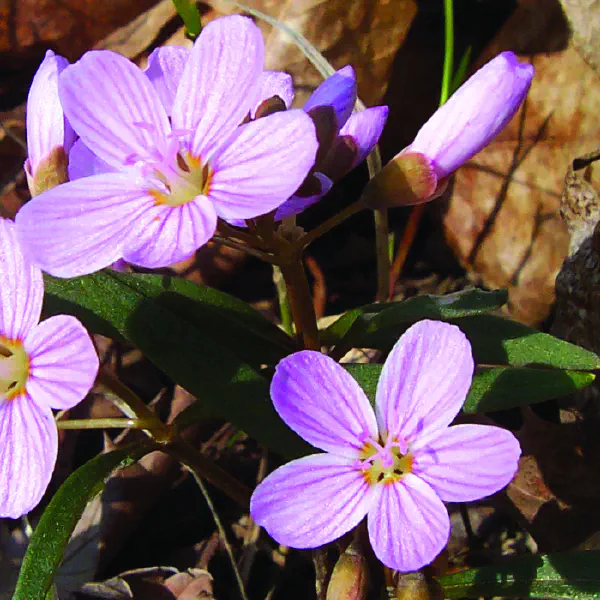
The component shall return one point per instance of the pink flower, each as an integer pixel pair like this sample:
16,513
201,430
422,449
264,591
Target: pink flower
172,177
49,134
474,114
395,465
43,366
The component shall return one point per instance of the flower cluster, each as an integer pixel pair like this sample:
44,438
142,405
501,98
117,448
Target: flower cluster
166,153
395,465
43,366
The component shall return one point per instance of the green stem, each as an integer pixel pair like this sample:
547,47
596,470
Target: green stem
129,403
285,308
448,51
317,232
117,423
382,251
301,302
206,469
239,246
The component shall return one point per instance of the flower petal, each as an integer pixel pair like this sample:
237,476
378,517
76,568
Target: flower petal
62,362
46,124
408,524
474,114
113,107
297,204
323,403
365,128
274,83
311,501
27,454
337,91
164,70
22,289
467,462
425,380
263,165
219,83
164,235
81,226
84,163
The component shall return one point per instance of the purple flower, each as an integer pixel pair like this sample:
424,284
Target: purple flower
474,114
49,134
43,366
397,464
345,139
172,177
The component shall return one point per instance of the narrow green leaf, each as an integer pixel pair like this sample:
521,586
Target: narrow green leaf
506,387
190,15
202,347
45,550
568,575
105,300
366,323
496,388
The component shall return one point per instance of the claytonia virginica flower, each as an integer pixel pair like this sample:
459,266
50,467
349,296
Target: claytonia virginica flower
174,169
49,135
395,465
472,117
44,365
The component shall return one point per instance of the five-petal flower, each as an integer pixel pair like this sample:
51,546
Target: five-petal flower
172,177
396,465
44,365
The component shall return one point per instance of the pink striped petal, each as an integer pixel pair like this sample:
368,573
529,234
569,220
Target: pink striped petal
337,91
274,83
219,83
164,70
408,524
46,125
263,165
311,501
84,163
467,462
113,107
297,204
27,454
365,128
81,226
164,235
322,403
22,289
424,380
62,362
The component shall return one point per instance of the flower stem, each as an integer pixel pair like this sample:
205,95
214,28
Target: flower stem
301,302
117,423
448,51
324,227
382,252
285,308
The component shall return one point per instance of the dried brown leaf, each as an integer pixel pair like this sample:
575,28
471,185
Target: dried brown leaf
503,218
362,33
584,19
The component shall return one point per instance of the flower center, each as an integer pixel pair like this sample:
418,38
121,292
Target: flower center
385,463
14,368
175,177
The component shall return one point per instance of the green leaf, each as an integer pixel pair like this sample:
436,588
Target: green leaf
45,550
367,323
190,15
496,388
201,346
104,301
568,575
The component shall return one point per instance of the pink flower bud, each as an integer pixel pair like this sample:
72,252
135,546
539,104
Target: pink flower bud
474,114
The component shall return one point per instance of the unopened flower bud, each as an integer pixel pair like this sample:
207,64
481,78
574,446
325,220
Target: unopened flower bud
49,135
349,580
474,114
409,178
